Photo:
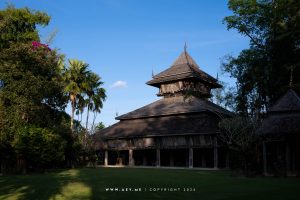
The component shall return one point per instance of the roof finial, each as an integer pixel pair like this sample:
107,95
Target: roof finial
217,76
152,73
185,46
185,53
291,77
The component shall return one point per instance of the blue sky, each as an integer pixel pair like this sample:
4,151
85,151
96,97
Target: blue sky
124,40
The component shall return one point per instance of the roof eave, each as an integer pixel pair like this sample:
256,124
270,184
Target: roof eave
157,83
224,113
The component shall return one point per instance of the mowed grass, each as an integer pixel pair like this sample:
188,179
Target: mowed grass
92,183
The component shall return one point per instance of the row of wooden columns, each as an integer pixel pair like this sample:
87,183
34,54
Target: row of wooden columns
191,156
190,163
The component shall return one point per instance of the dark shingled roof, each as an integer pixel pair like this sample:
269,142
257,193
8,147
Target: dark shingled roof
281,124
290,101
175,115
97,142
175,105
284,116
183,68
197,123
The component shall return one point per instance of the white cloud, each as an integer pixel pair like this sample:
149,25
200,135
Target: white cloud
119,84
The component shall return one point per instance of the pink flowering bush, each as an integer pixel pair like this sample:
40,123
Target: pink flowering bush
36,44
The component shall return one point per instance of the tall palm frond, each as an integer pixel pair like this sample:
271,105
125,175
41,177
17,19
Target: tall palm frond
75,77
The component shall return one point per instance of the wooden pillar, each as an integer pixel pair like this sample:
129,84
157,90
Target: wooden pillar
105,158
191,152
157,157
171,159
215,152
144,160
191,159
227,159
203,161
131,160
265,158
287,159
294,170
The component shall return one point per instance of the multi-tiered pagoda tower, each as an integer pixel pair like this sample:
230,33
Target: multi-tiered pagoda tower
180,129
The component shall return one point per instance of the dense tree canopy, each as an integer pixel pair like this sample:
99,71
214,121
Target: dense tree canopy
263,71
20,25
35,88
30,94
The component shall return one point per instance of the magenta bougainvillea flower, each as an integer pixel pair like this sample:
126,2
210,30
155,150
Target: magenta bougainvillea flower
36,44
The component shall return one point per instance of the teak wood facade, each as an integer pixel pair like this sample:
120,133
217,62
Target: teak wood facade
180,129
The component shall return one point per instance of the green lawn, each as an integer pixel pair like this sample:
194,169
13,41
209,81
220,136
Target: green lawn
92,184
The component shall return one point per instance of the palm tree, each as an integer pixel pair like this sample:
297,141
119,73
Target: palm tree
75,80
96,95
98,103
80,106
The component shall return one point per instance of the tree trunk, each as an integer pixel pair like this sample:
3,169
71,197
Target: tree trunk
95,115
87,115
72,114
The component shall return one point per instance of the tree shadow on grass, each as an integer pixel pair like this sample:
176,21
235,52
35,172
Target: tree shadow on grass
59,185
83,184
34,186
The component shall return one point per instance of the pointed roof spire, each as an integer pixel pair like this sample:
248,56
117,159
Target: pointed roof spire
186,54
185,47
185,58
152,73
184,67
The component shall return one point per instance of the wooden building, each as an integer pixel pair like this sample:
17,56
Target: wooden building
280,131
180,129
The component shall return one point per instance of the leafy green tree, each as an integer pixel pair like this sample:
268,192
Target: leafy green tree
35,86
100,126
263,70
39,146
20,25
224,97
30,93
32,96
238,133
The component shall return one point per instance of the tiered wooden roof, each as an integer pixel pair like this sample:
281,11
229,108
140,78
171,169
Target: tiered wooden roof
174,114
284,116
176,125
183,68
175,106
